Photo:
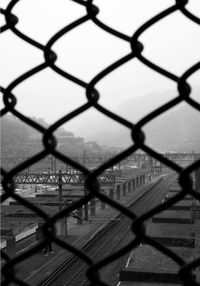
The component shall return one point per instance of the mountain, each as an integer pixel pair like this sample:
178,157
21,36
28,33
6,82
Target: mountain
13,133
177,129
19,140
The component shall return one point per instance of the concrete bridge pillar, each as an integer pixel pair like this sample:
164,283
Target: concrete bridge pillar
124,189
80,215
86,205
11,244
118,192
143,179
111,193
86,211
133,184
137,182
93,207
129,186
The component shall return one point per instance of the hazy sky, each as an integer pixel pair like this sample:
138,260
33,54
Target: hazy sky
174,44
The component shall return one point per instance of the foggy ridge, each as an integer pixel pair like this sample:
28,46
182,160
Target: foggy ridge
177,127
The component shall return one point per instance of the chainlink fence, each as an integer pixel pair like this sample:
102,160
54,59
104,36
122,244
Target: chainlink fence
136,130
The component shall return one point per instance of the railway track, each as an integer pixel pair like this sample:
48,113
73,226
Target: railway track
112,237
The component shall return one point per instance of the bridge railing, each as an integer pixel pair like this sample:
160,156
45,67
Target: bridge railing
107,178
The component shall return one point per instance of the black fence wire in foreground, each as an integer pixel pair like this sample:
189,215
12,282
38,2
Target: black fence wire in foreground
136,130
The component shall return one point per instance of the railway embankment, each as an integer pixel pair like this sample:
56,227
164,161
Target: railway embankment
178,229
39,267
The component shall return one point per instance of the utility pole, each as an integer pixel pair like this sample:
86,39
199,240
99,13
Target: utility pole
63,222
60,189
86,205
55,165
119,169
65,219
52,171
150,162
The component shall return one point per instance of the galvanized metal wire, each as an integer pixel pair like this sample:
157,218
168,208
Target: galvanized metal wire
138,137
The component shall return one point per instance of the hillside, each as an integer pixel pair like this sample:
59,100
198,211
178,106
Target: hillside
176,129
20,140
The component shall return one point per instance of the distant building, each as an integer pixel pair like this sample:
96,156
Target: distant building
69,138
93,145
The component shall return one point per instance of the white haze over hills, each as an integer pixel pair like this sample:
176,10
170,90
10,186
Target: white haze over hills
132,90
176,129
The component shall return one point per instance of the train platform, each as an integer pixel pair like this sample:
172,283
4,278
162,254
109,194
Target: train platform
148,264
163,229
37,268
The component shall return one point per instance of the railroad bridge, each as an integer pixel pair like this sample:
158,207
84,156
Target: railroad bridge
77,178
